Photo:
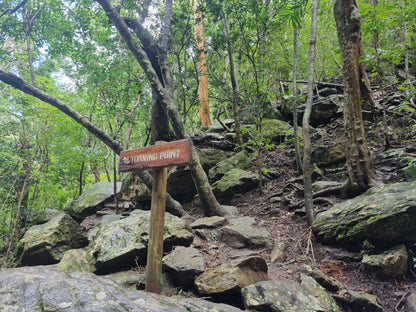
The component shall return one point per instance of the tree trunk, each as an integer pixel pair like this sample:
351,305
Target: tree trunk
204,113
348,22
307,148
137,46
234,82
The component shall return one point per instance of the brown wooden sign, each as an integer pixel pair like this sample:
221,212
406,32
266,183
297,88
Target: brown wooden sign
162,155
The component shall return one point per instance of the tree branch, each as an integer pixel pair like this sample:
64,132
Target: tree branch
17,7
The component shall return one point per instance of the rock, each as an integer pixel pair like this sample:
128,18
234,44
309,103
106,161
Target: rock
240,160
278,252
361,301
123,243
241,234
229,210
46,243
276,131
323,280
42,216
209,222
234,182
77,260
384,214
42,288
180,184
392,262
411,303
209,157
133,189
288,296
410,171
216,127
183,264
92,200
327,156
232,276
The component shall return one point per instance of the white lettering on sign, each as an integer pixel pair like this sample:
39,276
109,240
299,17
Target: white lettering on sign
169,154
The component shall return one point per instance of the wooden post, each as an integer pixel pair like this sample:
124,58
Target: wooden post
157,225
158,157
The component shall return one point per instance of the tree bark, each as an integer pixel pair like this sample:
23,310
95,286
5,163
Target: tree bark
307,148
348,23
203,94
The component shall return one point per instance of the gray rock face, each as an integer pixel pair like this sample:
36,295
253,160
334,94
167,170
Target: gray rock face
240,160
209,157
123,243
384,214
411,303
38,289
235,181
288,296
46,243
183,264
392,262
180,184
232,276
92,200
208,222
326,156
241,234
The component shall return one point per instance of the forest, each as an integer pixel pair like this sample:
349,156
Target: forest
81,81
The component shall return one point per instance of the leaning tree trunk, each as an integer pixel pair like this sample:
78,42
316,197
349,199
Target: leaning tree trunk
137,46
348,22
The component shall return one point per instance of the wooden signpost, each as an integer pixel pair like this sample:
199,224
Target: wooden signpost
158,157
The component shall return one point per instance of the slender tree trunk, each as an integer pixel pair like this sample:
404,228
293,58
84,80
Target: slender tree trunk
307,149
234,82
360,170
295,100
204,112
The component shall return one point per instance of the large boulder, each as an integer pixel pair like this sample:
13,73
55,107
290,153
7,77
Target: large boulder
209,157
92,200
123,243
288,296
276,131
42,288
242,234
240,160
327,156
385,214
392,262
234,182
47,243
231,276
180,184
183,264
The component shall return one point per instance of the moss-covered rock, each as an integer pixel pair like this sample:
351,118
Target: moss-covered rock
46,243
240,160
92,200
384,214
123,243
234,182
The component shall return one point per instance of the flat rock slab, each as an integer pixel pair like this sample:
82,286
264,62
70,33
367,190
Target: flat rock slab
209,222
232,276
384,214
288,296
44,288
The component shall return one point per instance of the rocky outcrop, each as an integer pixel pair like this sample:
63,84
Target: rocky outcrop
92,200
46,243
385,214
123,243
38,289
234,182
232,276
